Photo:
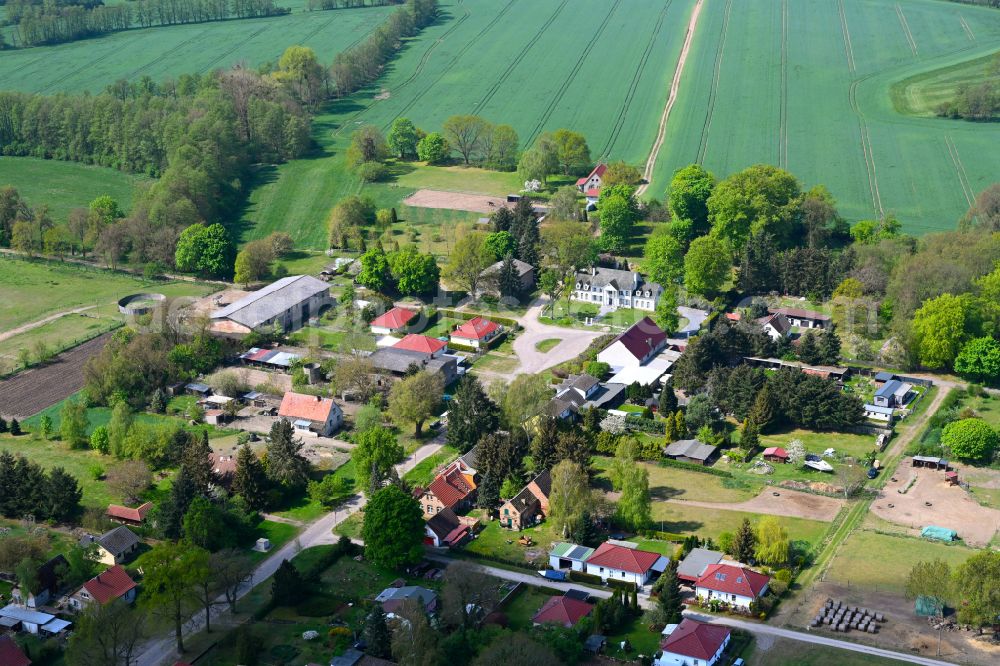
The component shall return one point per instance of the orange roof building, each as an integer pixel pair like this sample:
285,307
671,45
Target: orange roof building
128,515
311,415
393,321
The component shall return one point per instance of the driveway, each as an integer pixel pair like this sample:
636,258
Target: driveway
532,361
695,318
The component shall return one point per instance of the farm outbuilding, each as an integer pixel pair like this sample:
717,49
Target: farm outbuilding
288,303
775,454
930,461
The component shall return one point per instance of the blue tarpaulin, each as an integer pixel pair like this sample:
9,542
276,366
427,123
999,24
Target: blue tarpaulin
938,533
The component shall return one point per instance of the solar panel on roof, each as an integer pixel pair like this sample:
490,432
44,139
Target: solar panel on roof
578,552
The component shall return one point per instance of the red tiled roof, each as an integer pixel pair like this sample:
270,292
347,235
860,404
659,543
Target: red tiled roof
307,407
733,316
581,181
137,514
394,318
109,585
562,610
476,328
451,487
592,193
420,343
694,639
598,170
620,558
776,451
10,654
730,579
642,337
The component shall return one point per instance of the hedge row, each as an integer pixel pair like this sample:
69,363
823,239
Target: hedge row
456,314
584,577
663,536
667,462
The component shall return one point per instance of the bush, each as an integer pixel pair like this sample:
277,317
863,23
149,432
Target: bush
583,577
696,468
372,172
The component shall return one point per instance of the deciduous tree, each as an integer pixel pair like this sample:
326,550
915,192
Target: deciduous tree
415,399
979,360
690,188
572,150
706,265
403,137
467,261
73,423
466,134
168,582
393,529
970,439
375,453
772,542
570,498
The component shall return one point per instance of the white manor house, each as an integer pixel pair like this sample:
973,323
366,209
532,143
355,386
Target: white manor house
612,289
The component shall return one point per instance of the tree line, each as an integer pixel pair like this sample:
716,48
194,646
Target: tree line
39,24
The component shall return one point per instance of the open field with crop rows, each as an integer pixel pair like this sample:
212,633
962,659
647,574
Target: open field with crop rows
805,85
91,64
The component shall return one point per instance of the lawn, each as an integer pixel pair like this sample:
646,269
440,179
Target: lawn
676,483
784,652
50,453
278,533
33,290
498,542
351,527
681,519
895,555
547,344
62,186
778,57
843,443
423,473
986,407
523,607
496,362
91,64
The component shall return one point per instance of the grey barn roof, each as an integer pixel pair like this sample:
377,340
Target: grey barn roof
274,299
697,561
116,542
691,448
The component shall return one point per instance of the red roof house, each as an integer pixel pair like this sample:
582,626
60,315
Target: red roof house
475,332
566,611
311,413
453,489
127,515
696,640
115,583
775,454
592,182
735,585
620,563
421,343
641,342
11,654
392,321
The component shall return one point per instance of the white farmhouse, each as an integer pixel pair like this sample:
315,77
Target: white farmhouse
612,289
631,565
733,585
692,643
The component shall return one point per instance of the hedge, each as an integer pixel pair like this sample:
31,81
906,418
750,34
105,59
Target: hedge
645,425
584,577
455,314
663,536
628,586
696,468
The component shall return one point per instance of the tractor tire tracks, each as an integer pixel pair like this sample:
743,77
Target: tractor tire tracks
417,71
458,56
714,90
164,55
117,48
906,30
572,75
963,177
848,48
675,84
866,147
228,52
481,104
783,111
616,130
967,28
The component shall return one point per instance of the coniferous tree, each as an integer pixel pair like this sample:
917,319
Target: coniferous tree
285,464
667,403
63,495
182,492
471,415
508,282
669,602
15,427
197,461
762,412
499,458
286,588
750,438
3,425
376,633
680,425
158,402
592,420
745,542
543,445
808,349
829,347
249,479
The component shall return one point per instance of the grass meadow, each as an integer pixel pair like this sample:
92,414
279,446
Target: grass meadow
805,85
63,186
895,555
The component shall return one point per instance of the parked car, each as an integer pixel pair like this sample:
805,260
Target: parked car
872,472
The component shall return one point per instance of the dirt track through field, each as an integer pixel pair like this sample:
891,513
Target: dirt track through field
647,172
41,322
31,391
785,503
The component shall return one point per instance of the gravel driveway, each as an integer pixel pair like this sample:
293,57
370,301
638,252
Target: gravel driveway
532,361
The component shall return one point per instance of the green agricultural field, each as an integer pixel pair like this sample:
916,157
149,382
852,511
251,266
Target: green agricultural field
806,85
63,186
895,554
159,53
478,60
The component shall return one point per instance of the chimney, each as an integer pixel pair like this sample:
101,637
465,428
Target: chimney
318,399
593,270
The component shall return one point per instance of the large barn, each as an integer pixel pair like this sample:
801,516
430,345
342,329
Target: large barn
289,303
